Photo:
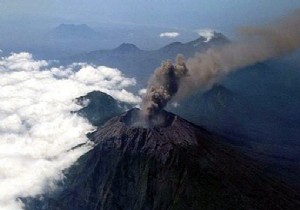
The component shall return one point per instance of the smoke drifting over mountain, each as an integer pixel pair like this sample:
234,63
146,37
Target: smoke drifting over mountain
257,44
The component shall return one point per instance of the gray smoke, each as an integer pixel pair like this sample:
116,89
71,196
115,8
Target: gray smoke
257,44
163,85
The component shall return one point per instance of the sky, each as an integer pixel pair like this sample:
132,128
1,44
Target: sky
25,24
187,14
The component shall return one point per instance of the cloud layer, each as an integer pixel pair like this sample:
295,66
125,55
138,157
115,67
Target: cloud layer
37,129
169,34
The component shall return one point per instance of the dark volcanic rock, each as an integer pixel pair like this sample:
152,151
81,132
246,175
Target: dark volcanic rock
100,107
177,166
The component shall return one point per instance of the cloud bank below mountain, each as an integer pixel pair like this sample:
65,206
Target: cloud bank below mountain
37,129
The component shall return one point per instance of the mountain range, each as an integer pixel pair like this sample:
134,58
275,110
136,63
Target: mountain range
139,63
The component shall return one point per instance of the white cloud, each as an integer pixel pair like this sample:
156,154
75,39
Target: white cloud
142,92
37,129
169,34
206,33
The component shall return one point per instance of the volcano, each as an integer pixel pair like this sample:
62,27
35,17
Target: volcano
173,165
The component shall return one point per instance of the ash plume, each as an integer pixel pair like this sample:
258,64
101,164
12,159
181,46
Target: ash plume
256,44
204,69
163,85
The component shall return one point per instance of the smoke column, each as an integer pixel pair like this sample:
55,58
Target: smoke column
163,85
202,71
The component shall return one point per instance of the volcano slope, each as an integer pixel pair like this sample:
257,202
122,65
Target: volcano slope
176,165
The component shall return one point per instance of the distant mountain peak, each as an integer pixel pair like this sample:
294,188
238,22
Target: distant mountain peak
127,47
210,37
201,43
207,34
73,31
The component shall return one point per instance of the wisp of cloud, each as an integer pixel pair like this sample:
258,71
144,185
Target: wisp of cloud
169,34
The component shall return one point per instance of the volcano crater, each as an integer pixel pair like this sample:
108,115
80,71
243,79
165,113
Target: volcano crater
136,119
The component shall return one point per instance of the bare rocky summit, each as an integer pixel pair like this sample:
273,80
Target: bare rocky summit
175,165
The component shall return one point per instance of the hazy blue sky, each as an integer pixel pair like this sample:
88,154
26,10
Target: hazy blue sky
221,14
24,24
